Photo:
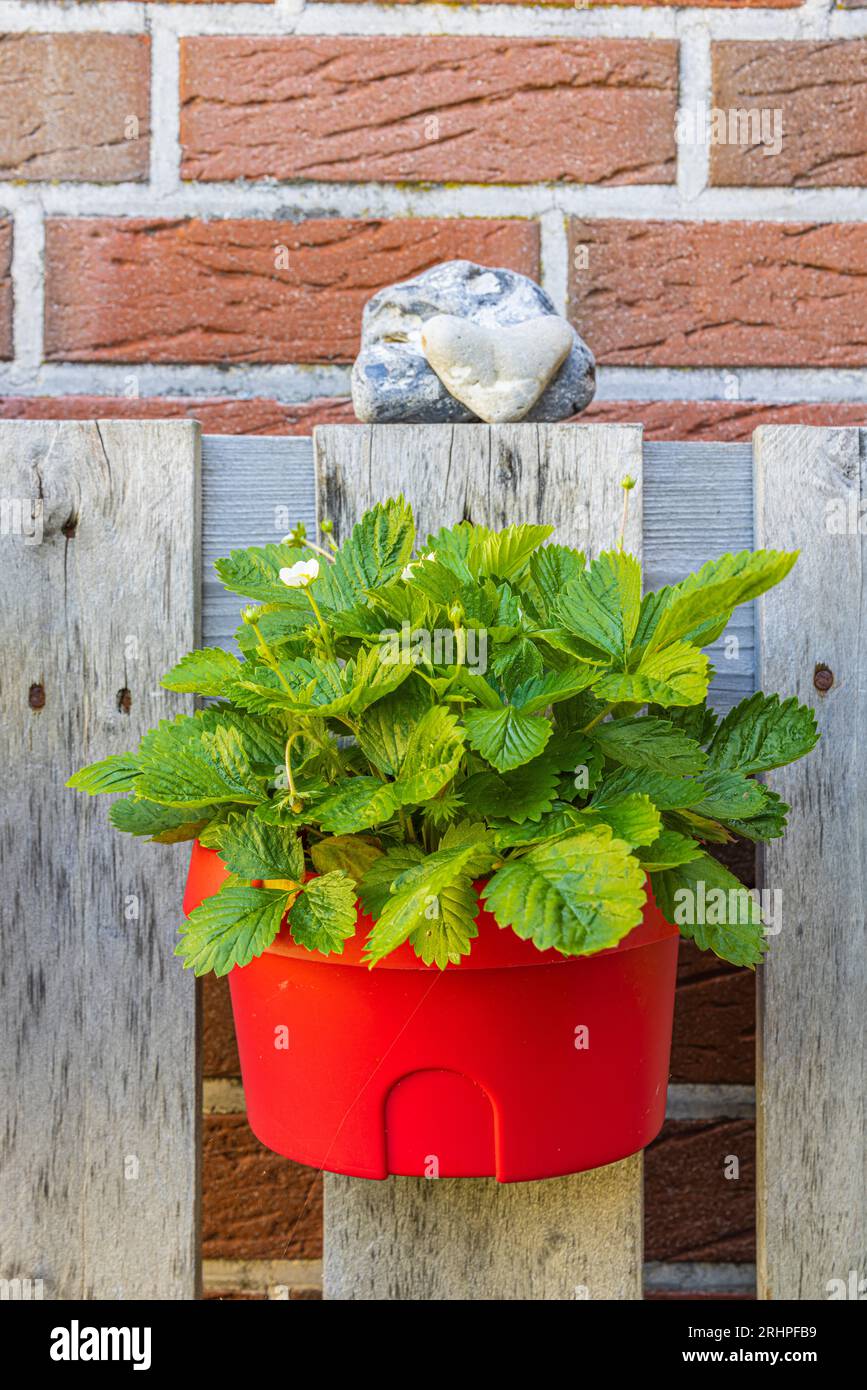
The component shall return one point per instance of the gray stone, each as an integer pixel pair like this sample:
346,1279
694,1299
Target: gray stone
392,379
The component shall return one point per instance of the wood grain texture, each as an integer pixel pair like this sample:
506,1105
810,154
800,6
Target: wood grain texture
475,1238
411,1238
812,1225
99,1153
253,492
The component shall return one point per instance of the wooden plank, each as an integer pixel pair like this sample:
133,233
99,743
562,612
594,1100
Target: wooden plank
474,1238
698,503
253,492
99,1154
812,1082
579,1236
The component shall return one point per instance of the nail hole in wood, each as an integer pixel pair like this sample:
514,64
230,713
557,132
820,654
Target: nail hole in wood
70,527
124,700
823,678
36,698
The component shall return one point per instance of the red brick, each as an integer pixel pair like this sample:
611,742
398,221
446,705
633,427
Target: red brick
133,290
818,91
714,1036
216,416
219,1046
255,1204
474,110
733,421
662,420
68,100
5,289
692,1211
691,294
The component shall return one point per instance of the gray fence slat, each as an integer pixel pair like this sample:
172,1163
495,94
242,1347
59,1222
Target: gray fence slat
99,1154
253,492
812,1082
412,1238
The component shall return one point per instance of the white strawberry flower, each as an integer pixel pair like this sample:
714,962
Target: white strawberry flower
299,575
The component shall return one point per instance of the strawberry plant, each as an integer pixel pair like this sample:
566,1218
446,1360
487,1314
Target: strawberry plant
397,727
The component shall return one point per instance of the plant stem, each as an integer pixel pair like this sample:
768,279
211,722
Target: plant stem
311,545
268,656
323,629
293,792
598,719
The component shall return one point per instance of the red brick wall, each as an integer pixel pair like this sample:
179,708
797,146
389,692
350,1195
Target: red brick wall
195,205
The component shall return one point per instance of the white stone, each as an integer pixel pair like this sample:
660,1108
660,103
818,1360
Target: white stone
498,373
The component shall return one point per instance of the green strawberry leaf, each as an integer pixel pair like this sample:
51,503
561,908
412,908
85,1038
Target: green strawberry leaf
231,928
165,825
351,853
252,849
324,915
653,744
581,894
762,733
506,737
117,773
712,908
357,804
668,851
210,671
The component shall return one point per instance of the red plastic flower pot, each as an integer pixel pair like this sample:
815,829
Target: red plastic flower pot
516,1063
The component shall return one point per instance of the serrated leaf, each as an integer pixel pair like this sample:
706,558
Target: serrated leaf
181,765
581,894
357,804
601,605
551,568
253,849
730,794
255,573
350,853
712,908
654,744
668,851
676,675
205,672
762,733
117,773
523,794
415,891
231,928
432,757
551,688
375,887
165,825
374,554
324,915
769,824
634,819
385,730
666,793
716,589
506,553
449,926
506,738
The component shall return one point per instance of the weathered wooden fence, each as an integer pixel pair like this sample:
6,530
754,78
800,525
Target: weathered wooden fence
102,590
